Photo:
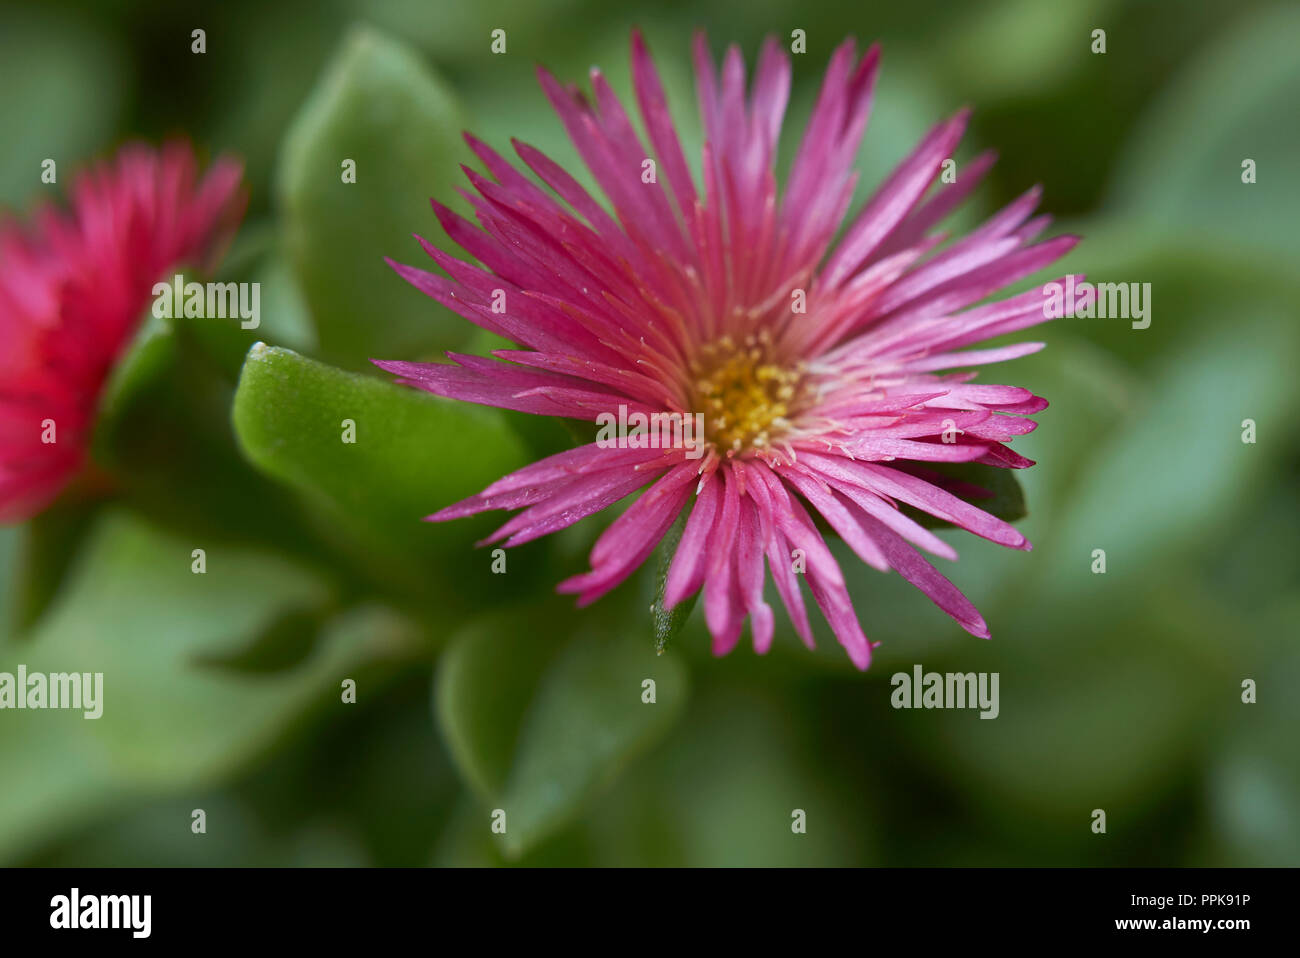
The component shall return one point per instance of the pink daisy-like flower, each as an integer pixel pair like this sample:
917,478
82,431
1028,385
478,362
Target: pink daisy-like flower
684,301
74,286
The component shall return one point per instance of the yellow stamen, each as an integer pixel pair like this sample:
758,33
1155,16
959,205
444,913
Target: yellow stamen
748,397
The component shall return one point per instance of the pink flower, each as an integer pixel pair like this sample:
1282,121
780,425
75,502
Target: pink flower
74,286
686,300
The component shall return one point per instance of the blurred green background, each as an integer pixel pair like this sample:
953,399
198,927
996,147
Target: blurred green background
478,691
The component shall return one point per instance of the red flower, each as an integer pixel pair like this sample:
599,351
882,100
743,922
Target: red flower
74,285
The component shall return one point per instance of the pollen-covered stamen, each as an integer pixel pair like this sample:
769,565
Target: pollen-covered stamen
747,394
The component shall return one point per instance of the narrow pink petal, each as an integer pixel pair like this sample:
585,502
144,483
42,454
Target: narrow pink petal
975,357
928,579
960,293
894,199
509,177
686,573
834,511
770,96
808,171
794,522
659,124
780,559
510,387
571,192
719,579
878,449
917,492
749,572
1003,428
633,535
581,460
876,507
934,210
823,575
567,506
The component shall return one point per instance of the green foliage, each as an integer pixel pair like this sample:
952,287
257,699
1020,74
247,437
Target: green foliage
145,361
538,728
371,458
381,107
64,84
1185,162
133,610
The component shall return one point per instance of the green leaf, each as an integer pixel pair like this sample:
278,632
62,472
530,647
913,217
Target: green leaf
63,91
165,441
134,611
725,794
381,107
413,454
1173,476
1112,695
537,731
485,681
1037,46
11,545
145,361
286,320
587,720
1183,166
46,547
1123,694
1253,780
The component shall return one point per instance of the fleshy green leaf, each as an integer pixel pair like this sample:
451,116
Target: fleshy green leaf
413,454
11,544
379,106
538,731
134,611
485,681
161,441
143,363
725,794
588,719
45,547
165,442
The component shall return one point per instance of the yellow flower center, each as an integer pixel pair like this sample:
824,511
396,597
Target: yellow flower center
746,396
